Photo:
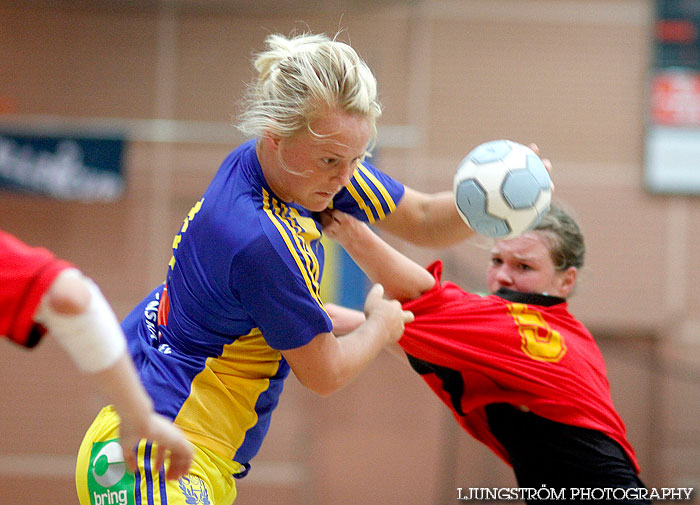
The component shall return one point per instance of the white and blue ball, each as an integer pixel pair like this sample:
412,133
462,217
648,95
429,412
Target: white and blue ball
502,189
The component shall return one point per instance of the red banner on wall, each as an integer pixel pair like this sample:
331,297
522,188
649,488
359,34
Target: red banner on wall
675,98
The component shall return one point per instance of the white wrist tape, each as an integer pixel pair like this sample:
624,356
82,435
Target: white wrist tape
93,339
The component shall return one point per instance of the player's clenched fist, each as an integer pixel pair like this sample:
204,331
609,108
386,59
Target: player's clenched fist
388,312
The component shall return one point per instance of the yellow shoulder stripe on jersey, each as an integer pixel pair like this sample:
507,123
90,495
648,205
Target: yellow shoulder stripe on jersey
370,194
387,197
360,202
285,229
359,178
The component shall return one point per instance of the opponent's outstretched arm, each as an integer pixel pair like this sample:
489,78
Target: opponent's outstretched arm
75,313
402,278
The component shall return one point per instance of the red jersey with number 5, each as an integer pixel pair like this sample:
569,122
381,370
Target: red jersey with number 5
26,273
523,349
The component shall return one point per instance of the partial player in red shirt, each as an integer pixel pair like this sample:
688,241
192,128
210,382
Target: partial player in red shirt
518,371
41,294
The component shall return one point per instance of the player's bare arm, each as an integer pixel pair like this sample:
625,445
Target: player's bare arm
429,220
328,363
402,278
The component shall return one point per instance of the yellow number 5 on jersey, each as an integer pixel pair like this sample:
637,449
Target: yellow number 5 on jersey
538,340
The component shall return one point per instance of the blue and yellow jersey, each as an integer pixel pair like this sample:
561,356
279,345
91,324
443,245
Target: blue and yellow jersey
242,285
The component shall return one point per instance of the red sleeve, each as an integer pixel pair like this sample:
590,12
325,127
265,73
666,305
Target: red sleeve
25,275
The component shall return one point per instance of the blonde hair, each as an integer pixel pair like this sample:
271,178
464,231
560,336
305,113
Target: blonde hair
302,77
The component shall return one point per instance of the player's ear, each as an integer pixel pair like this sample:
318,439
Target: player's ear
568,281
271,140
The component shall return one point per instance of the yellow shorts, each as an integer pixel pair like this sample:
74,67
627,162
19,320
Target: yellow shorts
102,478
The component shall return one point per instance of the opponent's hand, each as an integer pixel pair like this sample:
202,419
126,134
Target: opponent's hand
168,442
342,227
545,161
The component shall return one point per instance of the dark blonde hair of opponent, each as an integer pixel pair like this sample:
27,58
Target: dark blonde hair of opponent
300,78
565,240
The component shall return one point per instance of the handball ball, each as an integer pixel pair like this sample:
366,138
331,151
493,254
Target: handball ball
502,189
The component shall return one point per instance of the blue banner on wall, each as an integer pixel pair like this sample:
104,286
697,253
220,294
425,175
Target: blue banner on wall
63,167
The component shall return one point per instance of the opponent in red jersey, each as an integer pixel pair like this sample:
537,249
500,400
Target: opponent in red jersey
518,371
40,294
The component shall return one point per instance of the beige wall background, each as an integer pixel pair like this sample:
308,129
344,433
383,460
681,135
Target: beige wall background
568,74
